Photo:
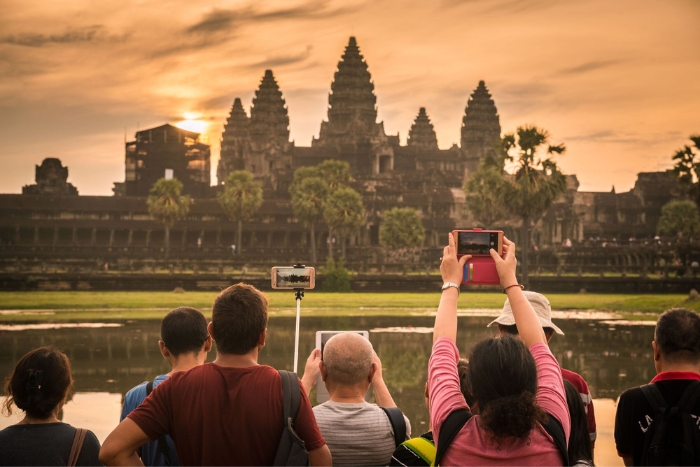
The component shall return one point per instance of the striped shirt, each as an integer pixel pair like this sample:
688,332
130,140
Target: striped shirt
357,434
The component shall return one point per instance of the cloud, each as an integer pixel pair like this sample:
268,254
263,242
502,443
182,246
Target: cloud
503,6
96,33
592,65
281,60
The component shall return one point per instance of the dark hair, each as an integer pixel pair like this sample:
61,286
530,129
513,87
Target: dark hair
503,379
463,372
580,439
238,318
184,330
512,329
678,334
39,382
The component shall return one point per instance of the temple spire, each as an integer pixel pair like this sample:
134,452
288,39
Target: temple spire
268,115
422,134
233,141
351,103
481,127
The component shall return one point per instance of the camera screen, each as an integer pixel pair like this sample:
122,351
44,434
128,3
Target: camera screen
476,243
295,278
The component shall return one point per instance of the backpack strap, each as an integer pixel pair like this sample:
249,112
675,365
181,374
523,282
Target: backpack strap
449,429
163,447
291,396
77,446
556,431
398,424
654,397
690,397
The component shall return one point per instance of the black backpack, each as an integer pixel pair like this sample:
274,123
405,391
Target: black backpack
673,436
398,424
291,450
459,417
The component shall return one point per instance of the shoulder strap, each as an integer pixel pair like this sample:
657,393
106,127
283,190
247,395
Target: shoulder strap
398,424
291,395
449,429
149,388
556,431
163,447
75,449
654,397
690,397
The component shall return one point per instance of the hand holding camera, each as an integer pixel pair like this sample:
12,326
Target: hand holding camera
506,264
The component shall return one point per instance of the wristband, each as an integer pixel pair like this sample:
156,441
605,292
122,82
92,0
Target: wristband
522,287
447,285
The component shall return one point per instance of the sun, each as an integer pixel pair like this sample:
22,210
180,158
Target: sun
192,123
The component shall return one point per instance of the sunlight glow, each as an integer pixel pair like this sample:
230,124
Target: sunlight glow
198,126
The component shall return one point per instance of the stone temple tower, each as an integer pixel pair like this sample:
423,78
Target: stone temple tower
422,135
352,112
234,142
481,127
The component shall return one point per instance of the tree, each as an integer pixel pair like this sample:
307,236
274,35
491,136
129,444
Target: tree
308,198
343,212
240,200
484,192
535,184
167,206
401,231
679,218
336,173
687,166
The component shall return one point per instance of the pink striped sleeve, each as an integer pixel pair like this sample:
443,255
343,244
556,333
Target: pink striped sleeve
550,386
443,383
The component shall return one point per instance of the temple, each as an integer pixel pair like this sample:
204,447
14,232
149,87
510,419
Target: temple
51,179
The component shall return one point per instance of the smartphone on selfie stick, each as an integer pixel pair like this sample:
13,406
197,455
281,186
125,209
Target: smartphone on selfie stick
297,278
481,268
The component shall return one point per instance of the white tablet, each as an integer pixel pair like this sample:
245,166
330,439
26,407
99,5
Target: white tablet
321,339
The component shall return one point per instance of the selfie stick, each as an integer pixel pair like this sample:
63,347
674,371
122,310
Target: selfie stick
299,293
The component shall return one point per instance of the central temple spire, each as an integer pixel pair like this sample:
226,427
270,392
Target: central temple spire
351,103
268,115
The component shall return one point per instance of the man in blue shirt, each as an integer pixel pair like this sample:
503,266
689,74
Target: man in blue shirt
184,342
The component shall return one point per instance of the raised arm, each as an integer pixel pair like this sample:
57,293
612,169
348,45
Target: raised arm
529,327
381,393
452,270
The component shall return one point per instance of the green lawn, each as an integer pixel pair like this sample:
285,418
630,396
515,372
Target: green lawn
65,306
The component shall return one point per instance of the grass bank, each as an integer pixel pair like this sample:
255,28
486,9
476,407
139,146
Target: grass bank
84,306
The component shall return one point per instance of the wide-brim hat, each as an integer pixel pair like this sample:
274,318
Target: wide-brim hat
541,306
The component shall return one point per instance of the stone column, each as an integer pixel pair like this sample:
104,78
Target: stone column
148,238
111,237
93,237
183,240
17,235
55,236
74,240
131,237
36,235
218,237
269,238
286,238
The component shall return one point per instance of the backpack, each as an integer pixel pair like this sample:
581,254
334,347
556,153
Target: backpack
291,449
459,417
163,447
398,424
673,436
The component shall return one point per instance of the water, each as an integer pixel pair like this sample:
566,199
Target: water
108,361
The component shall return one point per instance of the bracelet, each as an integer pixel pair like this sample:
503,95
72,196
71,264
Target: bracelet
522,287
447,285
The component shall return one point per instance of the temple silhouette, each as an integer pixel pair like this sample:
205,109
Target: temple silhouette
49,219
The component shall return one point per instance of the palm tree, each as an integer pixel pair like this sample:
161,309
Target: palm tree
167,206
308,198
343,212
687,167
537,182
240,200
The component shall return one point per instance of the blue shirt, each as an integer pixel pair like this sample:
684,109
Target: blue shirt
149,451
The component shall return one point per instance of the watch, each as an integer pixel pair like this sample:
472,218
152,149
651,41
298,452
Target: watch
447,285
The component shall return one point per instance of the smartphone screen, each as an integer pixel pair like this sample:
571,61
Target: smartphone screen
476,243
293,278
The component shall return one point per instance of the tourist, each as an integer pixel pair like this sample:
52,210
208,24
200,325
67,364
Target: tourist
228,412
39,386
516,382
506,325
420,451
638,421
184,342
357,432
580,450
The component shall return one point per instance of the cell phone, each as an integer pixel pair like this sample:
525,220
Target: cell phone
287,277
478,242
321,339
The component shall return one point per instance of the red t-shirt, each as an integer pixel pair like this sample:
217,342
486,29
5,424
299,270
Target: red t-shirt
581,386
224,416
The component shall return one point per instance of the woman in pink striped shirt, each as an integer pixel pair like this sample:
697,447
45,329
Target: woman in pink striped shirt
516,382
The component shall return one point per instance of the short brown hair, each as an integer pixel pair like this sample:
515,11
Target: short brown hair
39,382
184,330
677,334
238,318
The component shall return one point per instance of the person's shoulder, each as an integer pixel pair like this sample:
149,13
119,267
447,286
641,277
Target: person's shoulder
630,394
138,391
575,379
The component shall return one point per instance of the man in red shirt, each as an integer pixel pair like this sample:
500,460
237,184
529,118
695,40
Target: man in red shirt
228,412
506,325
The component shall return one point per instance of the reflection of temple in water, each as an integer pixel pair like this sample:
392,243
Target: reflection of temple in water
610,358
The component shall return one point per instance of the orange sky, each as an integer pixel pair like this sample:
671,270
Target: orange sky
617,82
